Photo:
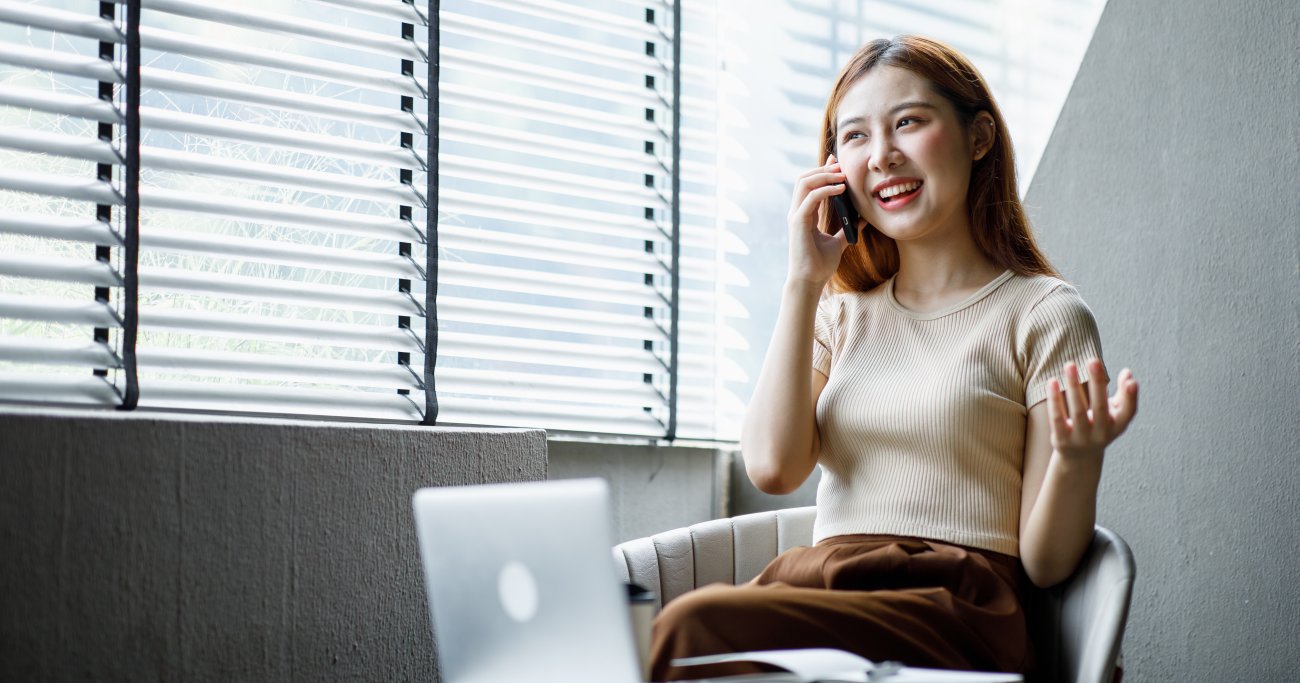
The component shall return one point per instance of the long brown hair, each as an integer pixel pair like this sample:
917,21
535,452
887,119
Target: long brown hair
998,222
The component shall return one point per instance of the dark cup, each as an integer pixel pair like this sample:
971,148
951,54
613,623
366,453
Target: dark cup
641,608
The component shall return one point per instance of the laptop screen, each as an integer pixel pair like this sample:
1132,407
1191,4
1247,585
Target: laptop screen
522,585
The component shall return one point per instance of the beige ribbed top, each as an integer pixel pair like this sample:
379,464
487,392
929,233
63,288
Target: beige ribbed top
923,417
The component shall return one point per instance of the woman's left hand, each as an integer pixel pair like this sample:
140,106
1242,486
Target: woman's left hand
1085,422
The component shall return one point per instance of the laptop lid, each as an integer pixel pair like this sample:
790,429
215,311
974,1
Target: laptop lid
522,585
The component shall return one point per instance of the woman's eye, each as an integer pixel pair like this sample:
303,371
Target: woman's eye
853,135
903,121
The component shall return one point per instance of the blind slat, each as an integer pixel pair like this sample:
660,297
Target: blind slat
548,215
43,267
545,352
153,38
551,148
228,91
23,349
59,103
284,253
58,227
551,284
541,386
280,329
90,190
60,21
92,68
461,240
60,144
56,310
344,36
554,182
547,43
373,189
283,291
543,111
47,388
487,312
280,214
314,370
265,400
591,18
472,412
393,155
626,92
411,13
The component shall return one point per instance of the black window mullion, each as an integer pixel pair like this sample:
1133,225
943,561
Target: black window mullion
431,221
131,223
677,220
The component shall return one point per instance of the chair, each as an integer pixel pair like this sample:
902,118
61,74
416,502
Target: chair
1077,625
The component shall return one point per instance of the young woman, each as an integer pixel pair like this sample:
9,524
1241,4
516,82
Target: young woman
947,381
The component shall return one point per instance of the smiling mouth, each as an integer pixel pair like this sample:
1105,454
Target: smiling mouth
897,193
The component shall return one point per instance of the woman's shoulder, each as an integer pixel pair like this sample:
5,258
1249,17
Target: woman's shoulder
1031,291
1044,303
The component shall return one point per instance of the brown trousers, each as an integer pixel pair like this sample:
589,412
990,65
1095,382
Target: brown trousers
887,598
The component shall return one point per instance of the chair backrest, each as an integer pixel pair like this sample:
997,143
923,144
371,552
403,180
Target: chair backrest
1077,626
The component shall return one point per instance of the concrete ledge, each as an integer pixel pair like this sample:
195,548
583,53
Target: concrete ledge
149,548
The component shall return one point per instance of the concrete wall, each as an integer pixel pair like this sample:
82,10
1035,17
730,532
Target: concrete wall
653,489
157,549
1168,195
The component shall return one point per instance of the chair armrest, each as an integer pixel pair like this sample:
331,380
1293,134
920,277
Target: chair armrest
1094,608
732,550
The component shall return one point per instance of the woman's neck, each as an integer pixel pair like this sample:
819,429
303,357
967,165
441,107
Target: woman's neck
932,275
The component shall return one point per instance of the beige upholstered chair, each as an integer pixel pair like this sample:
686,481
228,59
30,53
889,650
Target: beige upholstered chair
1077,626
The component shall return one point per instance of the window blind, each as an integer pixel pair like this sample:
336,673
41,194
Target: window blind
283,207
285,196
282,197
62,242
559,214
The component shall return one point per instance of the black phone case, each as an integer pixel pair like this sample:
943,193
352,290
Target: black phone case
847,216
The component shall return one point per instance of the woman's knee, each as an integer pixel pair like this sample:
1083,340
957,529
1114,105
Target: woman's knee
713,604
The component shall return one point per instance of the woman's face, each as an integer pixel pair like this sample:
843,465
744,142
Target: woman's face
895,134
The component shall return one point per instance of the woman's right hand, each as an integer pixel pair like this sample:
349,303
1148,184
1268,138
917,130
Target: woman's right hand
814,255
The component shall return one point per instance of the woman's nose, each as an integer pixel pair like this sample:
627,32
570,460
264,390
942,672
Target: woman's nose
884,155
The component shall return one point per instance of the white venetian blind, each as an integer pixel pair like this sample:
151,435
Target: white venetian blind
283,207
61,203
283,211
556,215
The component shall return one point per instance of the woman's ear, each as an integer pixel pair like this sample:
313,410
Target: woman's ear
983,131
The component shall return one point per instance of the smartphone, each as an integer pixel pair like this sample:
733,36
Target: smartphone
846,215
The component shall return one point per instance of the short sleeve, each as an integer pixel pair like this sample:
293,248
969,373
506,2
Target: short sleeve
1061,329
823,333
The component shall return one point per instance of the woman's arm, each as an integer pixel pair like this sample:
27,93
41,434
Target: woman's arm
779,439
1065,442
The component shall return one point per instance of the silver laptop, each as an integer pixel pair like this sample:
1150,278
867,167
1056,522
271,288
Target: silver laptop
522,584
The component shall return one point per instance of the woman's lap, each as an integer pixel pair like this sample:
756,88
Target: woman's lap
918,602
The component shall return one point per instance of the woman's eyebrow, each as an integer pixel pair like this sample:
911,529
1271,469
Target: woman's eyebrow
894,110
